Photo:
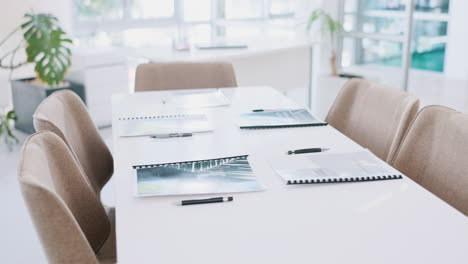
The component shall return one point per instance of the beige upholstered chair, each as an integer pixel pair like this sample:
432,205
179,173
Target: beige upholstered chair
71,222
434,153
373,115
64,113
184,75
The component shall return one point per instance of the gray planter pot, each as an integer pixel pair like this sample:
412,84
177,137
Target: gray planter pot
27,97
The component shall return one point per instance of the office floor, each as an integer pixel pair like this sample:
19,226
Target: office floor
18,240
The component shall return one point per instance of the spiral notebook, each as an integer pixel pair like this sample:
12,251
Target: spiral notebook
163,124
278,119
219,175
333,167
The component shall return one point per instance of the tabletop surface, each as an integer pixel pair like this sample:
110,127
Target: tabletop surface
369,222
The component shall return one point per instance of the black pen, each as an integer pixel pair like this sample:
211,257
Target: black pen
209,200
172,135
307,150
267,110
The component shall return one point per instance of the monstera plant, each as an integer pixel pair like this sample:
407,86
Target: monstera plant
47,47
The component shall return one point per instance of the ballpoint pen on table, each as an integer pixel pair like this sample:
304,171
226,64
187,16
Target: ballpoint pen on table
307,150
172,135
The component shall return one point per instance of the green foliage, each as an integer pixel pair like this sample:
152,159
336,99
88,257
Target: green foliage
47,46
5,129
328,24
38,23
52,57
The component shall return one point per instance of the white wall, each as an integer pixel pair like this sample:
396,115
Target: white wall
12,11
11,15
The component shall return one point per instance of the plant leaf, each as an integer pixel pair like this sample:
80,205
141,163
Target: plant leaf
5,128
47,46
39,24
328,23
11,115
314,16
51,54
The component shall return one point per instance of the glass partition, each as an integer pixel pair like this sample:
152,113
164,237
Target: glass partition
374,29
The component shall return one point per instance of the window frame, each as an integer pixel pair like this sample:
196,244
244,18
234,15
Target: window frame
401,14
127,22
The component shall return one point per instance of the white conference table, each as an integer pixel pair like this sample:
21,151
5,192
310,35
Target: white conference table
393,221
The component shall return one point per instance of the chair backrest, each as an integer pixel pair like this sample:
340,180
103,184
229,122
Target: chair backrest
71,222
434,153
373,115
184,75
65,114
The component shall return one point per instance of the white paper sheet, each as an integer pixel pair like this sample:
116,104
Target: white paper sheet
319,166
196,98
277,118
156,125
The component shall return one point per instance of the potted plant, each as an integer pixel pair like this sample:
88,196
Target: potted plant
46,46
330,26
328,86
6,133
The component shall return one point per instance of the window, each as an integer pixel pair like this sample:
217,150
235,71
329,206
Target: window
151,9
88,10
241,9
374,33
159,22
199,10
280,8
367,51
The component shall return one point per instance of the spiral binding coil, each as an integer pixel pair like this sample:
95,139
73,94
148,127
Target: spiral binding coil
353,179
283,126
152,117
186,162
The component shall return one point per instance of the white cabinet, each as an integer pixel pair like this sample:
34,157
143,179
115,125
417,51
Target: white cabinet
102,74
